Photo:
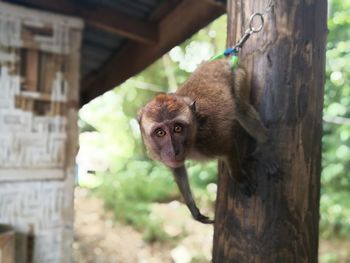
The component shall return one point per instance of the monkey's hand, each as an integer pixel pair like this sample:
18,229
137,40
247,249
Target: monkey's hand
267,159
199,217
247,186
181,178
243,177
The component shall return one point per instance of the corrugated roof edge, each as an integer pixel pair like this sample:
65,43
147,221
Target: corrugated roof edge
71,21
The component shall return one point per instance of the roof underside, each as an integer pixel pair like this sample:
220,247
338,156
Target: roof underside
98,44
122,37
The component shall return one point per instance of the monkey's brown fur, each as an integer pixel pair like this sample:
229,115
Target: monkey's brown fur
207,106
221,97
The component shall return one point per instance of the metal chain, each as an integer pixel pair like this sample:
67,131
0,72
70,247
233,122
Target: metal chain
233,51
251,29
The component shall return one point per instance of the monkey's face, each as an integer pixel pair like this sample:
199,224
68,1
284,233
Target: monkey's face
167,129
169,140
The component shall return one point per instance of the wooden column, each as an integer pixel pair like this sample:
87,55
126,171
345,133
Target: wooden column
286,69
7,244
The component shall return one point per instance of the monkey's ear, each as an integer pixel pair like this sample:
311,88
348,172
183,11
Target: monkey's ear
191,103
139,115
193,106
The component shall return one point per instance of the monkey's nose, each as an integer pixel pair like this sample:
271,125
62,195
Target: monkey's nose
176,149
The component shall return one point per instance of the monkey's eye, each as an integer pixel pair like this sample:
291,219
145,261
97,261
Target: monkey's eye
160,133
178,128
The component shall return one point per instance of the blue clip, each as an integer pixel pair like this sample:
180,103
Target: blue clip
231,51
235,51
228,51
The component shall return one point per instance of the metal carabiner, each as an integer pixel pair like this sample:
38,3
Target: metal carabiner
252,29
245,37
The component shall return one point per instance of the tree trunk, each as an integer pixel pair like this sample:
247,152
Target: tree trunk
286,63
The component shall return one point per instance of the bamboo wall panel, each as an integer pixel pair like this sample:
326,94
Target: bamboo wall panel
39,87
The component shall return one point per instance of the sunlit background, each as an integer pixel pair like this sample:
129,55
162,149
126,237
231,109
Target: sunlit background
131,202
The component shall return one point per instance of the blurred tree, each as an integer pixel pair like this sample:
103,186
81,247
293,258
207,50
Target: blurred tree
335,195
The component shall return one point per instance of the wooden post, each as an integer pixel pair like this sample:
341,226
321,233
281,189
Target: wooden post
286,69
7,244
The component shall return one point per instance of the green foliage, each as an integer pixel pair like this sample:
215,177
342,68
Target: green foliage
129,193
330,257
335,214
335,196
153,230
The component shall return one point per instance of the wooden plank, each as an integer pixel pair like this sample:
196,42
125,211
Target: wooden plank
7,175
7,247
35,96
285,63
48,69
101,17
121,24
72,73
31,75
185,20
45,17
164,9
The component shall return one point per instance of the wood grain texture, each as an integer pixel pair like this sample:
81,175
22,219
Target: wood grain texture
286,65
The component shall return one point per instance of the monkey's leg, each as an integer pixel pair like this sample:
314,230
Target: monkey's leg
250,120
245,113
265,151
246,183
181,179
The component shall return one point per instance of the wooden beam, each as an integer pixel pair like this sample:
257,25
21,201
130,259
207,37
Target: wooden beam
164,9
285,64
100,17
187,18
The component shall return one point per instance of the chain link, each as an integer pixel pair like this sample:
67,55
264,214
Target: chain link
251,29
233,51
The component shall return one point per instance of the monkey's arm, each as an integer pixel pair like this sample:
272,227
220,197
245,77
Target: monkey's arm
181,179
250,120
245,113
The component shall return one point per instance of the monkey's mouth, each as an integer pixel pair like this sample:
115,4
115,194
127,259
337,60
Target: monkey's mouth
173,163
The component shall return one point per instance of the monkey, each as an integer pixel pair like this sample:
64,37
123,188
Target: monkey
196,122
